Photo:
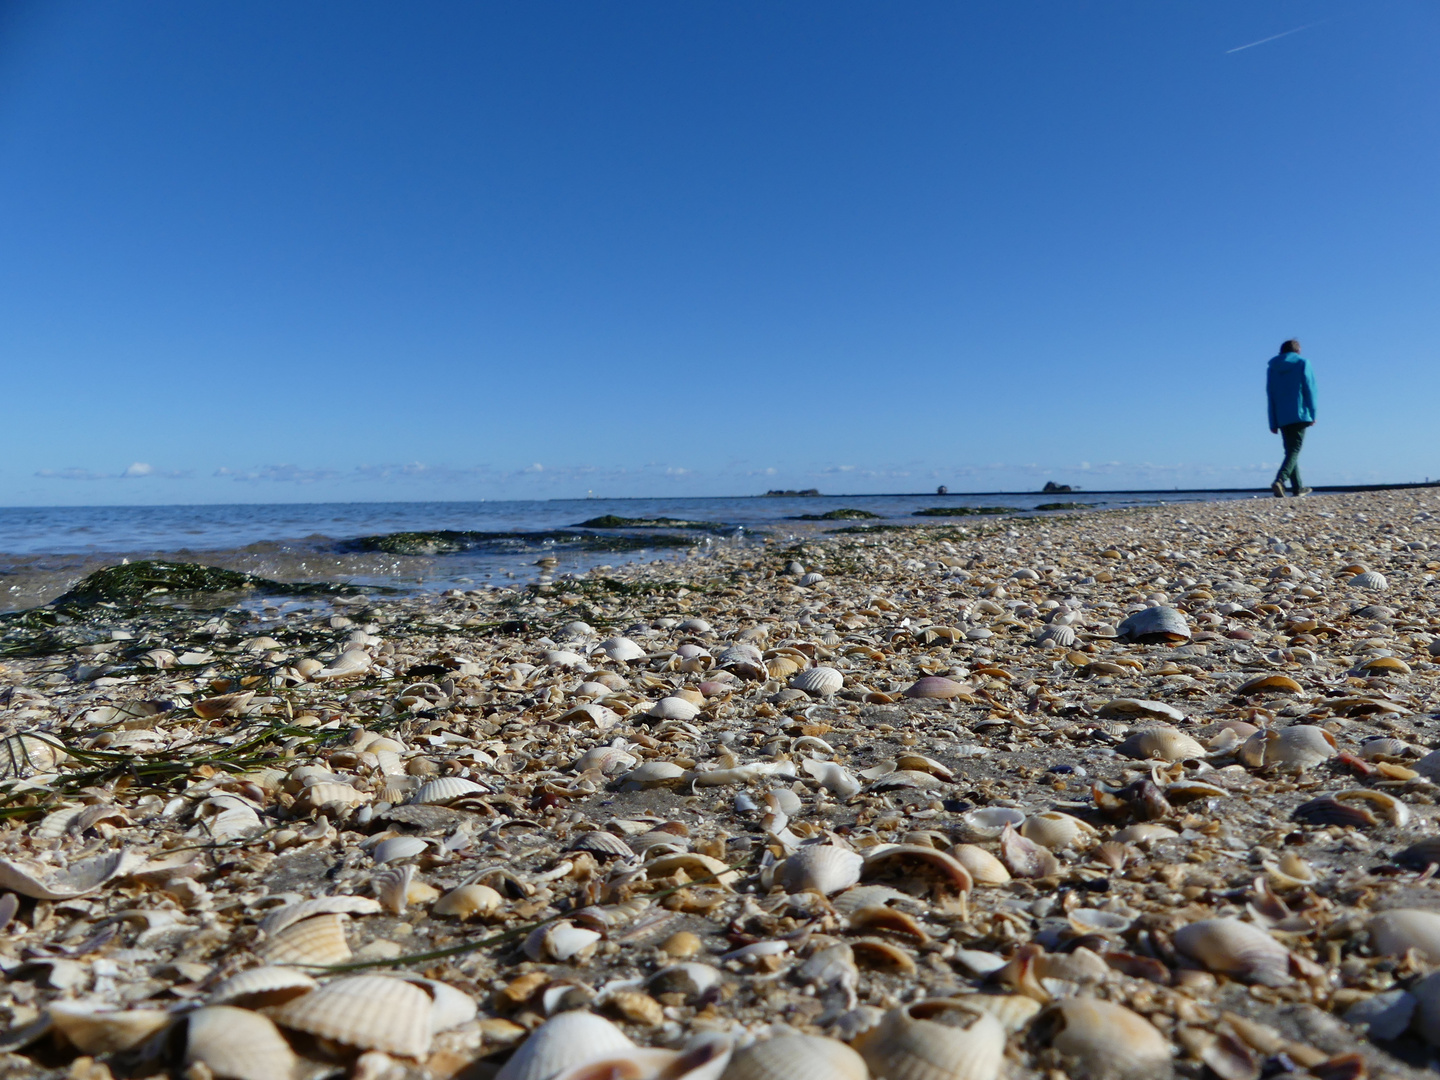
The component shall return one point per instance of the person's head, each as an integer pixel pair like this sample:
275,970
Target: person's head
1290,346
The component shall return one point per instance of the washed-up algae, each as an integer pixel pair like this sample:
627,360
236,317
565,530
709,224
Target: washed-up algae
844,513
613,521
1066,506
964,511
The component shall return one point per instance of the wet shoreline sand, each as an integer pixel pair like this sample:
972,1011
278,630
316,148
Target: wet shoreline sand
625,777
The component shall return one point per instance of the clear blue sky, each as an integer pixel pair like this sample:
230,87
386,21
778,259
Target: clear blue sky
317,251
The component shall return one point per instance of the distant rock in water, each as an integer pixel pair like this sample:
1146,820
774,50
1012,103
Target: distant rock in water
612,521
1064,506
1052,488
845,513
942,490
808,492
964,511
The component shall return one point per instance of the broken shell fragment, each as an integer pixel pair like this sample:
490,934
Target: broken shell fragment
1103,1040
1231,947
937,1039
80,878
96,1027
1161,742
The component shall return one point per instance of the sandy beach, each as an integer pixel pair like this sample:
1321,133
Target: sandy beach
1113,793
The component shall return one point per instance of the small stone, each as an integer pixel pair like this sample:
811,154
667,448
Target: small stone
682,944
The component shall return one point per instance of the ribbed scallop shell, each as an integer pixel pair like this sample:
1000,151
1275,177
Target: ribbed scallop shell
398,847
602,843
1061,635
673,708
262,986
935,687
811,578
80,878
1103,1040
985,868
224,705
97,1027
290,914
621,649
1163,742
1054,830
392,887
794,1057
1300,746
1395,932
446,790
1155,624
372,1012
319,941
564,1041
236,1044
823,868
350,662
1231,947
1370,579
918,1042
26,755
818,681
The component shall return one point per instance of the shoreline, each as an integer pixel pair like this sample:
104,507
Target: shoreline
611,787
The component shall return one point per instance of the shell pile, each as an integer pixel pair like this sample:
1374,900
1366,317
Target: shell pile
1108,795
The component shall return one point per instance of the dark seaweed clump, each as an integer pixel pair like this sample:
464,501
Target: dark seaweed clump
613,521
131,583
1063,506
450,541
845,513
964,511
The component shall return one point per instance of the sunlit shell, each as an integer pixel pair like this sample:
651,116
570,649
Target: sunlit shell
812,578
1101,1039
936,687
621,649
262,986
97,1027
1397,931
350,662
591,713
1142,707
317,941
561,940
280,918
1055,830
673,708
392,887
566,1040
914,861
937,1039
706,1061
1155,624
445,790
702,869
1231,947
984,867
989,822
1095,921
1144,832
833,777
372,1012
236,1044
1161,742
691,979
468,902
1269,684
1372,580
224,705
818,681
80,878
652,774
794,1057
743,660
822,868
316,796
26,755
1299,746
1058,634
449,1008
1014,1011
565,659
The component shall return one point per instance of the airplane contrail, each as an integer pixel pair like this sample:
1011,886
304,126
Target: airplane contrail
1274,37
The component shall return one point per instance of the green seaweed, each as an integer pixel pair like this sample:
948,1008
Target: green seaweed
1064,506
845,513
964,511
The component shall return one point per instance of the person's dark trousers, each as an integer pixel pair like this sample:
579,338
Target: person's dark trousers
1294,436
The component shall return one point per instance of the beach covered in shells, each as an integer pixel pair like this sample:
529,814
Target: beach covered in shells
1103,795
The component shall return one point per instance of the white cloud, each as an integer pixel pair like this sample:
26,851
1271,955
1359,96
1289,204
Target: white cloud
136,471
139,468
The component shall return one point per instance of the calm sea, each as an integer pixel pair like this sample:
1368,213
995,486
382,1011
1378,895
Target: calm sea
45,550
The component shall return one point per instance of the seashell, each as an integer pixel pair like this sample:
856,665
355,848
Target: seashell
653,774
936,687
989,822
1384,1016
307,667
1383,748
1372,580
314,942
593,713
1014,1011
1231,947
794,1057
701,868
673,708
1025,858
1154,624
1397,931
290,914
468,902
350,662
694,980
323,794
937,1039
1144,832
831,776
704,1061
1299,746
1385,665
224,705
913,860
1060,635
1143,707
984,868
160,659
818,681
1269,684
262,986
812,578
371,1012
1103,1040
742,660
1161,742
446,789
693,625
621,649
564,659
561,940
602,843
22,756
449,1008
80,878
822,868
1054,830
236,1044
392,887
97,1027
562,1042
398,847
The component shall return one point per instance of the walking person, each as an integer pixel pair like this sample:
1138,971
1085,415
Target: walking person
1290,388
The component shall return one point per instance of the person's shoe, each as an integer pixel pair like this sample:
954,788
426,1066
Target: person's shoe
1278,489
1303,492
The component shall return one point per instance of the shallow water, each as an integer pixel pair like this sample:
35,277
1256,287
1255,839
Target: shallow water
45,550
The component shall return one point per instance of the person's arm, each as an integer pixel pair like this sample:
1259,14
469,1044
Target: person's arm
1309,390
1270,400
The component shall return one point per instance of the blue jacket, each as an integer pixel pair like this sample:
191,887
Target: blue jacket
1290,386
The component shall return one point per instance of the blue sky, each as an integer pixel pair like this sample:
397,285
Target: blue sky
274,252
